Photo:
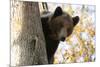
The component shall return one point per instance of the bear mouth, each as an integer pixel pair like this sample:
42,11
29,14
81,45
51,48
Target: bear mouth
62,39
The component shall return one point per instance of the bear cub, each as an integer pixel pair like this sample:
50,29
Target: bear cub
56,28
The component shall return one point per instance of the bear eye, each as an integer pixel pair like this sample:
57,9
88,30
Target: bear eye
68,29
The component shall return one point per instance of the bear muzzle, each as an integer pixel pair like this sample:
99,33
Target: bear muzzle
62,39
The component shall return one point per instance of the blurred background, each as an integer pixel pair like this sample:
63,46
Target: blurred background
81,45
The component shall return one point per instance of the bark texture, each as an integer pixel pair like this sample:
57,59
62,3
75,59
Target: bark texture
27,39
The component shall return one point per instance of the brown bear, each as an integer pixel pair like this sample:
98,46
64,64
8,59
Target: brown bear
56,28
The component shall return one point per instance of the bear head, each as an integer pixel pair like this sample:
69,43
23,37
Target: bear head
61,24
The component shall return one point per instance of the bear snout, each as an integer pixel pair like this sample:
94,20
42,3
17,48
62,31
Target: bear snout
62,39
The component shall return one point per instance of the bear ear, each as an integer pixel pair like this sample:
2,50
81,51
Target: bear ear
58,12
75,20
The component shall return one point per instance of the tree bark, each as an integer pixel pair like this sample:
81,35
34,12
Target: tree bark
27,39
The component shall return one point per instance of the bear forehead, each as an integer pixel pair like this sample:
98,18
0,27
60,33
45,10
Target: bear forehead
62,21
65,18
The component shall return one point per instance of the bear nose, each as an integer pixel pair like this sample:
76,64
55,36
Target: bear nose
62,39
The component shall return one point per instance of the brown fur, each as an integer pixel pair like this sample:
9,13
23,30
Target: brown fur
56,28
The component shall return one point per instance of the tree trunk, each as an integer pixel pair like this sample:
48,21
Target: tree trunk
27,39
